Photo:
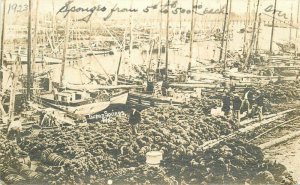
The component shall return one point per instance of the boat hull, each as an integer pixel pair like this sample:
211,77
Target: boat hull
103,52
143,100
84,108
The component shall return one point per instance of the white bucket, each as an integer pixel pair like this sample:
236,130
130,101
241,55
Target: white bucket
153,158
217,112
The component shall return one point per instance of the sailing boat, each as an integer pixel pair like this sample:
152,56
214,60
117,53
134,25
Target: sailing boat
290,46
81,101
11,57
100,49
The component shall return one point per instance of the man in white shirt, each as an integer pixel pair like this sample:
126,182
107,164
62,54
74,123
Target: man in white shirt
55,94
14,129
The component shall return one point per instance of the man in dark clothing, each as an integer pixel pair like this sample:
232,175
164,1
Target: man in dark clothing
41,116
164,87
260,104
250,97
150,87
236,105
134,120
298,74
226,102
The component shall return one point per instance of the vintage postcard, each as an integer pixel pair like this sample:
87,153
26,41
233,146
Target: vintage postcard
140,92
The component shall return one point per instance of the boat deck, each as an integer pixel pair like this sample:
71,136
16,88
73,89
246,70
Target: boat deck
149,100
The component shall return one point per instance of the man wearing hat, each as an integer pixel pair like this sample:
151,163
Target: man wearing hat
236,106
134,120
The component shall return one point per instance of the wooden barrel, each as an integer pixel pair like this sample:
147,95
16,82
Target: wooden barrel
14,179
25,159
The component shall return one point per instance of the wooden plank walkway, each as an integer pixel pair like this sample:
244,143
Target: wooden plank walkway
270,118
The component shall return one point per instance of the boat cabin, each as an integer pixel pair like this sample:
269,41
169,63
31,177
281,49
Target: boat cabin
71,96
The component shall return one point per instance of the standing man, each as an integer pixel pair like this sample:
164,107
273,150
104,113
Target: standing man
237,104
55,94
14,129
134,120
298,74
227,85
226,103
232,84
260,104
2,111
150,87
164,87
248,100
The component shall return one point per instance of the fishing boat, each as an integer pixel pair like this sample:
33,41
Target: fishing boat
200,37
286,47
10,58
278,24
99,48
52,60
100,51
83,103
143,100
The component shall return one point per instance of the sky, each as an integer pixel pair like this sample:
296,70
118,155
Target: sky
238,6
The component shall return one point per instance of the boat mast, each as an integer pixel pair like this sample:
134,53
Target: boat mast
2,111
199,32
253,34
152,44
224,28
130,37
227,35
160,40
291,23
35,36
54,41
29,50
257,35
123,48
191,41
15,77
2,44
63,65
121,57
167,41
246,26
180,21
130,43
296,50
272,32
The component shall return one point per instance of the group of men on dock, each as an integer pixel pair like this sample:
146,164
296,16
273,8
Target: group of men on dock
252,102
159,88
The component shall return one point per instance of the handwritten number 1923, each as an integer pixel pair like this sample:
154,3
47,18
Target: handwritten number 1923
15,8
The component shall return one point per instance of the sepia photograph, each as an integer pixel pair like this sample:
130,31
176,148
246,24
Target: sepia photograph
149,92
